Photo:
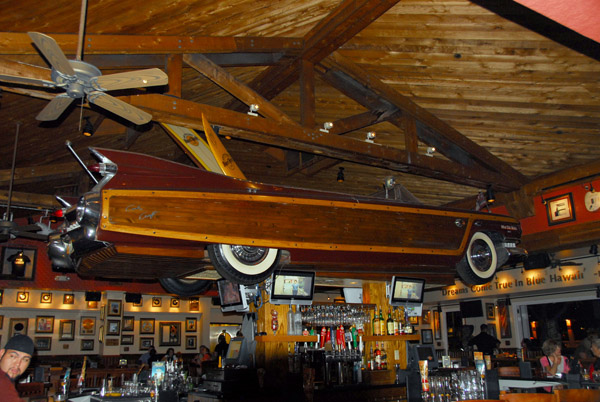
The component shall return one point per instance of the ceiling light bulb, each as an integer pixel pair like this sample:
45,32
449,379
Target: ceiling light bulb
326,127
430,151
253,109
370,136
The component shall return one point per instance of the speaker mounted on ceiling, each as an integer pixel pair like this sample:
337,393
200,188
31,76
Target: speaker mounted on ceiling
93,296
133,298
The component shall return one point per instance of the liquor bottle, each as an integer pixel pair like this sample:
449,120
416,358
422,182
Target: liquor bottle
382,323
290,322
395,318
376,327
371,363
390,323
377,357
383,357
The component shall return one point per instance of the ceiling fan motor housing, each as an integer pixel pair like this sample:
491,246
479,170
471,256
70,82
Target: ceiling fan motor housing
79,85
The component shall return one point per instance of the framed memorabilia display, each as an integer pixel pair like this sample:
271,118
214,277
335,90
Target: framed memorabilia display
174,302
426,336
92,304
66,331
426,317
146,325
101,334
68,298
194,304
156,302
126,339
44,324
46,297
113,327
22,297
87,344
114,308
128,322
490,311
560,209
190,342
436,324
112,342
88,326
18,263
1,322
191,324
18,326
170,333
43,342
145,343
504,318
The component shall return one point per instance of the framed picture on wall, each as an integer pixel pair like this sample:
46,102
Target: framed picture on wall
66,330
490,310
88,326
190,342
87,344
1,322
18,263
126,339
170,333
18,326
191,324
128,322
146,325
43,342
114,308
145,343
194,304
44,324
426,336
113,327
436,325
560,209
504,318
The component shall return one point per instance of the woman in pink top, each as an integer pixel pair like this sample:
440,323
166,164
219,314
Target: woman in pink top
553,362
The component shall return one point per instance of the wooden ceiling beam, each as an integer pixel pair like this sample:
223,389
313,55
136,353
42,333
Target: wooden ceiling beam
188,114
30,200
39,173
20,43
429,123
9,67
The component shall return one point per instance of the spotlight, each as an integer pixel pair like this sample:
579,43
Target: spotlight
370,136
88,127
340,175
326,127
430,151
253,109
490,198
389,183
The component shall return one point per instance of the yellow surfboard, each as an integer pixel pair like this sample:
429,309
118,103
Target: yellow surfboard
224,159
196,148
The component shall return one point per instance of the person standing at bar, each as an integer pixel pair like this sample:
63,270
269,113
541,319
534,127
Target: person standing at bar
14,360
485,342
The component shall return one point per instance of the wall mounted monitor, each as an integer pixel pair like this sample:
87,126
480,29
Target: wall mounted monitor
472,308
232,296
292,287
406,291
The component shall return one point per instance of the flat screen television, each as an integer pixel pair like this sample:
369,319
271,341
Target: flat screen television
422,352
232,296
292,287
472,308
406,291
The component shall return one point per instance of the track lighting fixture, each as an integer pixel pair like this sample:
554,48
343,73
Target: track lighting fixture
490,197
253,109
340,175
326,127
388,184
370,136
430,151
88,127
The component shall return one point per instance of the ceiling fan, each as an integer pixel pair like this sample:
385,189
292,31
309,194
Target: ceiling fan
83,80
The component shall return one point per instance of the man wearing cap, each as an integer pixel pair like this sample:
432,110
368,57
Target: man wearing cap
14,360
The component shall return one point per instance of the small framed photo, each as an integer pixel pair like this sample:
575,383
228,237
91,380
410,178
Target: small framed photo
18,326
92,304
413,319
66,331
43,342
191,324
114,308
1,321
146,325
22,297
18,263
190,342
170,333
68,298
88,326
46,297
156,302
128,322
112,342
113,327
87,344
490,311
126,339
426,336
174,302
194,304
560,209
145,343
44,324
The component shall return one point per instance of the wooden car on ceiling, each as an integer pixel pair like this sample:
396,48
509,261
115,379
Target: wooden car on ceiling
163,216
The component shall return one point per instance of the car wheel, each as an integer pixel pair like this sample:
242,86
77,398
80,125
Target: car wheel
185,287
480,262
245,265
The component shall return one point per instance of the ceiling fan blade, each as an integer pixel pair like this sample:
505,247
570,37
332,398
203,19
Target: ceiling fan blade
55,108
131,79
120,108
52,52
26,80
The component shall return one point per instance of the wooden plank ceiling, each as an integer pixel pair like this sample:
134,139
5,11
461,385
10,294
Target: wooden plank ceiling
502,103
